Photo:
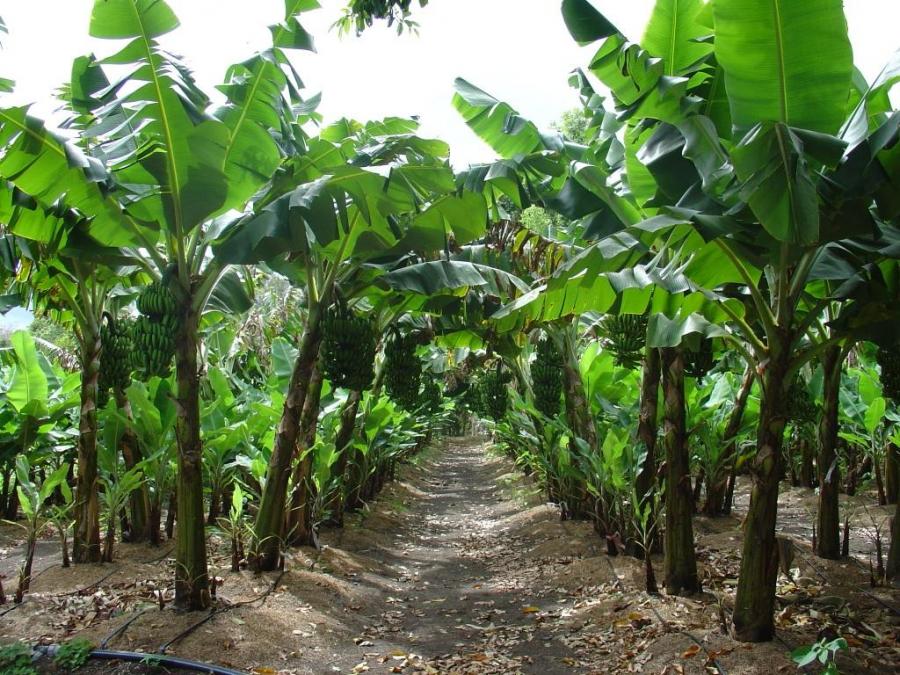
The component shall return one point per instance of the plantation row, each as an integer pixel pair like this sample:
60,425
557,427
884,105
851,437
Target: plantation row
695,279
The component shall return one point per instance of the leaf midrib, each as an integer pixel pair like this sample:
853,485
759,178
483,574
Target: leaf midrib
782,75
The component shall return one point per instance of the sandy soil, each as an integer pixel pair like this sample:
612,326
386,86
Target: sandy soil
460,567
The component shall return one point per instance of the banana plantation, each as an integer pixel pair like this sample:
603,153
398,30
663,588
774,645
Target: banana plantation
301,396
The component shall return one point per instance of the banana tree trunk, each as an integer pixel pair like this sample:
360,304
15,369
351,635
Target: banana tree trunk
86,542
191,573
754,619
299,524
139,500
645,482
680,563
893,563
892,473
807,478
718,496
270,519
828,525
579,503
341,443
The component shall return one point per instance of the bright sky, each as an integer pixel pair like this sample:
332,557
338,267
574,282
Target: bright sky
517,50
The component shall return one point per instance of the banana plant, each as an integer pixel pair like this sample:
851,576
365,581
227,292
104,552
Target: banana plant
781,171
34,499
153,425
36,407
204,163
236,527
364,192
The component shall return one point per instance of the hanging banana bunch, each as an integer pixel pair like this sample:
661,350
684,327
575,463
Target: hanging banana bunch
116,357
430,398
348,348
547,377
698,362
402,369
155,330
495,393
888,359
625,336
799,405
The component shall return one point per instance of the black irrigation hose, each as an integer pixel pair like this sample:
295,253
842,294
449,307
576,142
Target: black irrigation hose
80,591
13,608
862,590
156,560
683,631
121,629
220,610
666,624
154,659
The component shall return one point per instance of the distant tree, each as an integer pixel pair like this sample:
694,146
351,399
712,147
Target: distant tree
361,14
55,341
573,125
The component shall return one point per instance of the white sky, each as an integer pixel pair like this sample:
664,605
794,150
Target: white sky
517,50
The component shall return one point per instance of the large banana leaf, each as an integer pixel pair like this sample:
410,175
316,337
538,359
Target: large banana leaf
773,163
585,23
496,122
785,61
29,391
49,169
428,278
673,34
176,170
257,105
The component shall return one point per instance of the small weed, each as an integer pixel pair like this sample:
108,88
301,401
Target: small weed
73,654
15,659
823,651
152,661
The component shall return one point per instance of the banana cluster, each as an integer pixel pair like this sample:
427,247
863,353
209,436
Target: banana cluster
625,336
155,331
348,348
697,363
799,405
546,377
402,370
495,394
473,399
116,358
430,397
889,360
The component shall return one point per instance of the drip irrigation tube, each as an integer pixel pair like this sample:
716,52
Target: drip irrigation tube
718,666
155,659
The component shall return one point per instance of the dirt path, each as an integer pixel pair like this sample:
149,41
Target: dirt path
465,567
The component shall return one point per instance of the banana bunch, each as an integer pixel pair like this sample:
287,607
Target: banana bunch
157,301
116,354
154,333
889,360
799,405
402,370
495,394
473,397
455,382
625,336
348,348
430,397
546,377
697,363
